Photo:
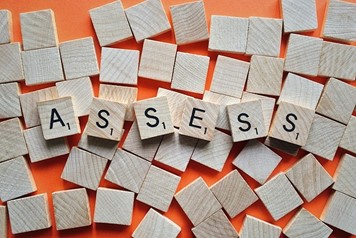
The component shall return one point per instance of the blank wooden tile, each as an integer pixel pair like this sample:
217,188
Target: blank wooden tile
10,103
283,146
229,76
71,209
253,227
10,62
3,222
345,177
29,214
119,66
147,19
257,161
5,27
234,194
348,141
113,206
309,177
228,34
264,36
197,201
110,23
38,29
190,72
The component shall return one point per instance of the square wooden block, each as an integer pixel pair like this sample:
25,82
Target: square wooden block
110,23
3,222
38,29
228,34
348,141
10,102
10,62
345,176
254,227
229,76
113,206
282,146
71,209
264,36
29,214
190,72
119,66
6,34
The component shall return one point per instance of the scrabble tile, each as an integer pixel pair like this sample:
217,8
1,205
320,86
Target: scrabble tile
5,27
309,177
197,201
234,194
199,119
147,19
110,23
345,176
190,72
153,117
10,62
189,22
257,161
156,225
113,206
38,29
119,66
42,66
279,196
348,139
340,212
40,149
127,170
324,137
283,146
217,225
3,222
265,76
84,168
253,227
228,34
264,36
229,76
81,91
58,118
29,214
214,153
157,60
71,209
10,103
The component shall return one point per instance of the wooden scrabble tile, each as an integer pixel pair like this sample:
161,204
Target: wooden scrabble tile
264,36
228,34
292,123
3,222
234,194
324,137
84,168
199,119
119,66
253,227
106,119
10,62
283,146
113,206
257,161
189,22
147,19
38,29
246,120
279,196
42,66
58,118
10,103
71,208
340,212
348,141
190,72
40,149
127,170
214,153
157,60
309,177
197,201
110,23
345,176
81,91
29,214
217,225
156,225
229,76
5,27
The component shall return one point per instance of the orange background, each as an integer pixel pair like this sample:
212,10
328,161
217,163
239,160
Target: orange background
73,22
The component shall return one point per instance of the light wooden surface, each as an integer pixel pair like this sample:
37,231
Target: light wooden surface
29,214
71,208
110,23
6,34
283,146
189,22
234,193
10,102
10,62
197,201
113,206
253,227
345,177
3,222
348,141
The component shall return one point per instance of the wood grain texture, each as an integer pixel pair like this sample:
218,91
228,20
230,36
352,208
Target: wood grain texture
345,177
10,62
10,103
6,34
29,214
253,227
283,146
3,222
348,141
71,209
